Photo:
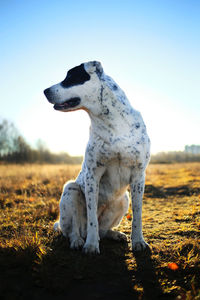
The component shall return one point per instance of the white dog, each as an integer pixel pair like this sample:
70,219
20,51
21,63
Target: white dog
116,157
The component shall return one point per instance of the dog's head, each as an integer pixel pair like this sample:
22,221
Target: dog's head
79,89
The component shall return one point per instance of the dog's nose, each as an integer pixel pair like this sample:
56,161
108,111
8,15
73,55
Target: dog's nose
46,92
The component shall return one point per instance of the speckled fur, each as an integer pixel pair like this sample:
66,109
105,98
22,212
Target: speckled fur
116,157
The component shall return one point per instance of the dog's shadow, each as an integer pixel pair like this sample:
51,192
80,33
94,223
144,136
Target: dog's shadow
62,273
72,274
146,277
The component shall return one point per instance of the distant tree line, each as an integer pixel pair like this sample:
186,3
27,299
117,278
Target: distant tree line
174,157
14,149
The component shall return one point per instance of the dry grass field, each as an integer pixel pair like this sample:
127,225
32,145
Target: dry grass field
37,263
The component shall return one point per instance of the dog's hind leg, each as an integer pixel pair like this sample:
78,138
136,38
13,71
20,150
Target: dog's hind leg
72,222
111,217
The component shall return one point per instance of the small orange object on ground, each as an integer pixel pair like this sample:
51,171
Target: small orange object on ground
173,266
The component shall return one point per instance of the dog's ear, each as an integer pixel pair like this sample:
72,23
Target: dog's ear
94,67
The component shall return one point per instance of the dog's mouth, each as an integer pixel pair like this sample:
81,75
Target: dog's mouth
73,102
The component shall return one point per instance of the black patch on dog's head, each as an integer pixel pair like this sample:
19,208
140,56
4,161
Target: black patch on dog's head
75,76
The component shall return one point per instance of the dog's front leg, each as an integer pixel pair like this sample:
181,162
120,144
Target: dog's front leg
137,190
92,179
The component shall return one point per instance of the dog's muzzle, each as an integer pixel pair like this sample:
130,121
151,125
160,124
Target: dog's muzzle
70,103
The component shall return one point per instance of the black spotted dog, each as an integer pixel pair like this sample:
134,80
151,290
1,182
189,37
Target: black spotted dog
116,157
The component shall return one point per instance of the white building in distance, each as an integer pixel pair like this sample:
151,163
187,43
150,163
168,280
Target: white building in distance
193,149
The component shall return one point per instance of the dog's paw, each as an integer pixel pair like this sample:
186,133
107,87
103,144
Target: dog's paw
116,235
139,246
91,248
56,226
76,243
120,236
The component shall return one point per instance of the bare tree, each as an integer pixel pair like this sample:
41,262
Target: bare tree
8,137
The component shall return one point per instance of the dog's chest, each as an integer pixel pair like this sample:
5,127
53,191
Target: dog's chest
124,151
118,174
115,180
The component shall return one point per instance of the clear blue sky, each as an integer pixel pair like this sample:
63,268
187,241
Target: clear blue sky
150,48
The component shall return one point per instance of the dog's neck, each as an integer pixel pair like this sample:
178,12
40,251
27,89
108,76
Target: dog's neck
116,116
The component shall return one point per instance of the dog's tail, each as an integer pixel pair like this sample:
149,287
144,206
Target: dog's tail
56,226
